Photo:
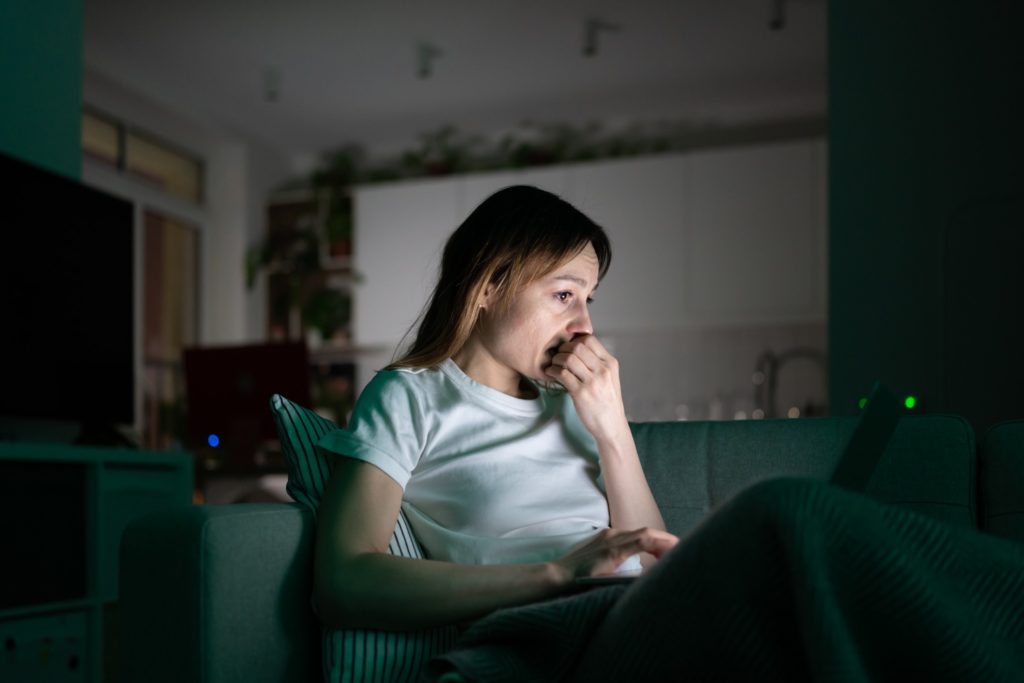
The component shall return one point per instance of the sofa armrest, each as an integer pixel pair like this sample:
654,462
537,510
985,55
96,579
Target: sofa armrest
218,593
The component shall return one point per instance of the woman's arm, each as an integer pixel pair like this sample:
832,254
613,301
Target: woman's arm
591,376
358,585
631,504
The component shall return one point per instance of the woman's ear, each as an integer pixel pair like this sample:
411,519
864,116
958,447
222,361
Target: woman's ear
486,297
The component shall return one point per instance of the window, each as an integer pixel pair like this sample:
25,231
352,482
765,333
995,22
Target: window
170,313
170,228
101,139
142,155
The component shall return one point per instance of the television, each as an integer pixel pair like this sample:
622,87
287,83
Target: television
67,354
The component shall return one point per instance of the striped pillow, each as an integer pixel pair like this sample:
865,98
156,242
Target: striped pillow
353,654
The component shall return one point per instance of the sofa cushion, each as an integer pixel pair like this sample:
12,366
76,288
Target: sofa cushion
928,466
352,654
1001,480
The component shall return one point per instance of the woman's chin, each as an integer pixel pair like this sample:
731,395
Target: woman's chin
545,378
540,373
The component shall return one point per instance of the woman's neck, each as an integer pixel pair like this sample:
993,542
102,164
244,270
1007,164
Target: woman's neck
483,369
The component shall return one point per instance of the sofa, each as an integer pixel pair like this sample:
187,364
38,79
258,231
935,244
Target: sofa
220,593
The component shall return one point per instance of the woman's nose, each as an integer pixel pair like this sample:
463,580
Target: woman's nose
581,322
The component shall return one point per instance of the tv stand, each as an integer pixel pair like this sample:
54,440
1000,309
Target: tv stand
67,507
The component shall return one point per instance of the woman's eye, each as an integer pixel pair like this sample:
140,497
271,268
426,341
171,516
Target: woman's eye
563,297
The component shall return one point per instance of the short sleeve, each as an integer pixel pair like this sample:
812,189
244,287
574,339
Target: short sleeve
386,429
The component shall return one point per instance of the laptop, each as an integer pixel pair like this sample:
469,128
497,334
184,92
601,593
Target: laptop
866,446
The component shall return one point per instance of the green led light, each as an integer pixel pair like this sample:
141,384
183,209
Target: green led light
910,402
861,403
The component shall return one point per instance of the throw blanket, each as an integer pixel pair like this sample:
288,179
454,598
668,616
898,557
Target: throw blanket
792,580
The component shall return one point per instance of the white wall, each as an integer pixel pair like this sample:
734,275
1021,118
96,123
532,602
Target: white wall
718,256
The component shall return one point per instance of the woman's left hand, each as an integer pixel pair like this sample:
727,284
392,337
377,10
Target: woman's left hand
591,376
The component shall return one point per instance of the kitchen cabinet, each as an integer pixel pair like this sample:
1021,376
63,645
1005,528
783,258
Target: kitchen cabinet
754,236
639,203
730,236
400,229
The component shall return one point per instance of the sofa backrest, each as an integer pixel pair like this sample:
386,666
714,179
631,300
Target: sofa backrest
1001,481
928,466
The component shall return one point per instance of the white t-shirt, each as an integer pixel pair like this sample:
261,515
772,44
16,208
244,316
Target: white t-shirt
488,478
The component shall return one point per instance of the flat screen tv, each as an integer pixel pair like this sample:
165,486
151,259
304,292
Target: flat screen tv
67,351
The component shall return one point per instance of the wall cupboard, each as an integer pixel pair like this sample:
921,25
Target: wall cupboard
713,238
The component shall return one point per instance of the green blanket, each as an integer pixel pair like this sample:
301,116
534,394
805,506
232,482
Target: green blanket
793,580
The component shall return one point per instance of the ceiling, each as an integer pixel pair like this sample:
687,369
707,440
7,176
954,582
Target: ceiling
305,76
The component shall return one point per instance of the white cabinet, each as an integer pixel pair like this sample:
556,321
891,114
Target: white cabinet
639,203
400,229
724,237
754,230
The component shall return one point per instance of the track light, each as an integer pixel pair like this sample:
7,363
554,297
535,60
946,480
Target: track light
778,20
592,30
271,84
426,53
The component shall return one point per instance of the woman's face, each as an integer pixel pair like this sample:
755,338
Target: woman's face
521,341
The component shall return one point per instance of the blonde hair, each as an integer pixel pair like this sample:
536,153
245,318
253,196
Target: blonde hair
514,237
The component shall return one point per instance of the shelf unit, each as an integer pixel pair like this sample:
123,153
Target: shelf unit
68,506
296,220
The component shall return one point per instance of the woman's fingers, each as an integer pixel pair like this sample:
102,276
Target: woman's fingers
574,364
658,542
587,349
565,377
594,346
584,357
653,541
606,550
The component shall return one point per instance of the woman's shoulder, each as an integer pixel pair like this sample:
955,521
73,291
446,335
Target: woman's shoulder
401,384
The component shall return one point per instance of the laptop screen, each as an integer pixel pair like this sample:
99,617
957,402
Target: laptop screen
866,446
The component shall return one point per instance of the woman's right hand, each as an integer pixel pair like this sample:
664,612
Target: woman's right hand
603,552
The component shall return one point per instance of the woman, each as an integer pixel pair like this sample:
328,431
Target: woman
501,433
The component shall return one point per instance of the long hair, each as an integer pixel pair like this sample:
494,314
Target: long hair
514,237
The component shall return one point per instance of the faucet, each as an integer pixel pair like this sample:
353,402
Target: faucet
766,374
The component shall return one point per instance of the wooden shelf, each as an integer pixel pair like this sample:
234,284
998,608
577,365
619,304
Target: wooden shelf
11,613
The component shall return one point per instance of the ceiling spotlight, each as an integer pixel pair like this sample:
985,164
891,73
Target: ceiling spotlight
426,54
592,30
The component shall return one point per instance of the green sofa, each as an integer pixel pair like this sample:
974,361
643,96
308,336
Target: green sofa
220,593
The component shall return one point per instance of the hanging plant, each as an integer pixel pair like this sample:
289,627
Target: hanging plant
441,152
327,311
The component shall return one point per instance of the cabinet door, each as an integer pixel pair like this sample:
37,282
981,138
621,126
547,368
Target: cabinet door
754,220
400,230
639,203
